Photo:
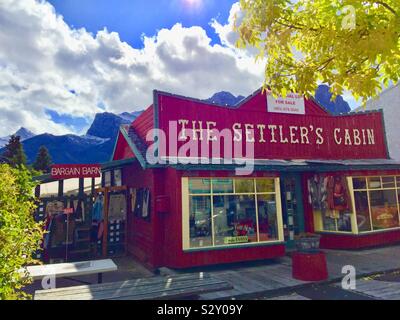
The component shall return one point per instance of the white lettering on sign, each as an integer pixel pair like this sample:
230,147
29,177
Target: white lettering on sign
271,133
293,103
79,171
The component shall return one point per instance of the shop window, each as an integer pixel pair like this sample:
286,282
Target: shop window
118,178
97,183
107,179
87,186
222,185
71,187
374,183
331,202
359,183
200,222
384,209
199,186
388,182
48,190
235,219
244,186
265,185
362,211
377,208
225,212
267,217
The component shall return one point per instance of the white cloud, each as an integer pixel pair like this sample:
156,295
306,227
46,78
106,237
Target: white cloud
42,59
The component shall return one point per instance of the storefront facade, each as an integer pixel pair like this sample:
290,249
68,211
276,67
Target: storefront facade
211,184
83,211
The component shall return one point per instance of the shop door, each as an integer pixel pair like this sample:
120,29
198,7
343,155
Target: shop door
292,207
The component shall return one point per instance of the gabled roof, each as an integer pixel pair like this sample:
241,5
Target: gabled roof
137,144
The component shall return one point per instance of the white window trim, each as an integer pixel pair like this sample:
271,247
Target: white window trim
186,210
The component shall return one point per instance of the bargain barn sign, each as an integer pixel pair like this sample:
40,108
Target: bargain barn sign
68,171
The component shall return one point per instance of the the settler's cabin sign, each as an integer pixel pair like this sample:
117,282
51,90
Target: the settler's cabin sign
290,128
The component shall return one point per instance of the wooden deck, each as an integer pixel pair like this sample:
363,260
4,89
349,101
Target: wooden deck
171,287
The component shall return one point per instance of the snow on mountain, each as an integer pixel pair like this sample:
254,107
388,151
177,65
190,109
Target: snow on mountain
22,132
97,144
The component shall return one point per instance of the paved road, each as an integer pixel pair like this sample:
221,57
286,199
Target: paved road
323,292
381,287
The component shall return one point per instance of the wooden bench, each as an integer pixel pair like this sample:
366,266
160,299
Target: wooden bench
64,270
155,288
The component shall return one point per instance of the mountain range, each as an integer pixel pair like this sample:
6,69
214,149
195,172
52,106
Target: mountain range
97,144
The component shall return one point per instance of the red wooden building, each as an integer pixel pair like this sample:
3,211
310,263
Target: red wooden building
213,184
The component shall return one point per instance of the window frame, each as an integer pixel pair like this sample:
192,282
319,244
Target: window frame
186,212
396,188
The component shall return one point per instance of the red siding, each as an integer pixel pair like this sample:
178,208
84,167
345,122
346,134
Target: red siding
122,149
140,232
336,241
144,122
254,112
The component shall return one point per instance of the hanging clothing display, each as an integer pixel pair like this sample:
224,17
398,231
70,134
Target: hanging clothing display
146,203
98,209
338,195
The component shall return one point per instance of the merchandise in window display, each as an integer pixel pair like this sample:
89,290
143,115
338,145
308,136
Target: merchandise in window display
338,195
329,197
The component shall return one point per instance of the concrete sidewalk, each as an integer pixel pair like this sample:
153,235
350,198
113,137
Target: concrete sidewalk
257,279
273,277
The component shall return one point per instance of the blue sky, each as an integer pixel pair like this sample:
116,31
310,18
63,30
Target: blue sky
132,18
63,61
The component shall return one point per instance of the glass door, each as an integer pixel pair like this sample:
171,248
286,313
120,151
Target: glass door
292,208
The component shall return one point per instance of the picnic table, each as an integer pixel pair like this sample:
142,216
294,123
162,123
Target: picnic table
154,288
72,269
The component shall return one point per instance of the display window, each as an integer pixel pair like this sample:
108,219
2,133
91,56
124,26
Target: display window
330,198
49,189
70,187
226,212
363,204
377,202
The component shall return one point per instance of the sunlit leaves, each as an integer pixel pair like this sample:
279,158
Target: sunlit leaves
308,42
20,235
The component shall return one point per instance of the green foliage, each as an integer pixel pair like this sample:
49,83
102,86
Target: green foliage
43,160
348,44
14,152
20,235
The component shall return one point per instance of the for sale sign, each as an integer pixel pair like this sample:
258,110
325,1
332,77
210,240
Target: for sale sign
69,171
293,103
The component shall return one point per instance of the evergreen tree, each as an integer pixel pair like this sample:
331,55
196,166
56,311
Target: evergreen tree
43,160
14,152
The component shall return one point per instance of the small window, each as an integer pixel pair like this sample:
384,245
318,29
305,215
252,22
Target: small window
374,183
97,183
244,185
71,187
49,189
87,186
199,186
107,179
118,177
388,182
222,185
359,183
265,185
